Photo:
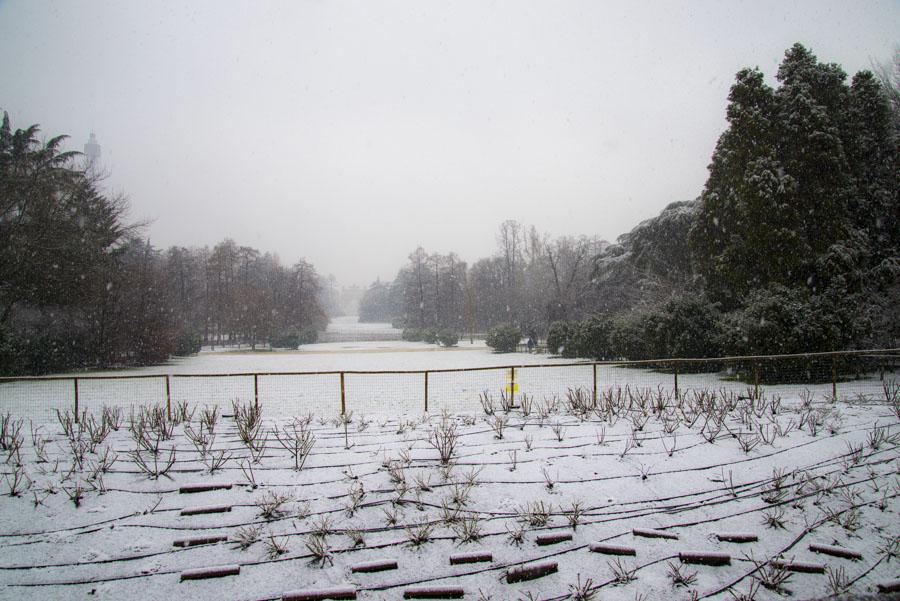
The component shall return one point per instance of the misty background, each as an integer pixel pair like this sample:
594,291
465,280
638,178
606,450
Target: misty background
351,133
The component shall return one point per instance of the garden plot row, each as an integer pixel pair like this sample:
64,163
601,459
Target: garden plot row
565,494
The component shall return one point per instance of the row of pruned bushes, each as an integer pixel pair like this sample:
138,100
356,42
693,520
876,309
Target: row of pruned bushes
431,336
293,338
60,348
503,338
773,321
684,327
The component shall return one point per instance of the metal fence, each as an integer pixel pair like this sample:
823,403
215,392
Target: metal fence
826,376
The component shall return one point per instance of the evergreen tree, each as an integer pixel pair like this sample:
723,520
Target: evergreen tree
57,230
872,153
745,187
377,303
801,206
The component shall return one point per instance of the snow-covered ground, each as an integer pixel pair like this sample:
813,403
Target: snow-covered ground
707,464
348,328
794,469
367,389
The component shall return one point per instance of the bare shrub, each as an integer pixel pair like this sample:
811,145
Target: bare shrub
468,529
670,448
322,526
65,418
450,512
513,459
516,534
579,402
470,477
774,518
747,441
459,493
153,468
216,460
574,514
17,482
487,402
356,536
534,513
549,480
527,404
97,431
621,573
419,533
629,444
181,413
11,437
582,591
202,440
444,438
275,547
838,581
246,536
297,440
209,416
75,494
271,503
770,576
877,436
559,431
248,419
748,595
354,498
680,576
391,516
892,394
497,424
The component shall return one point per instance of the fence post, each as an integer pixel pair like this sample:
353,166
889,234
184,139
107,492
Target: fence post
168,398
512,385
426,392
75,380
677,394
756,380
594,396
343,397
833,379
256,390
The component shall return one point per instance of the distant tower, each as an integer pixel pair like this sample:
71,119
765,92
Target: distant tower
92,155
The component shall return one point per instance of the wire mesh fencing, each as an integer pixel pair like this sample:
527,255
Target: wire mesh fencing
854,375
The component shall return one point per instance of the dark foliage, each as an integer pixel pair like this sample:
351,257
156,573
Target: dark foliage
448,337
503,338
80,289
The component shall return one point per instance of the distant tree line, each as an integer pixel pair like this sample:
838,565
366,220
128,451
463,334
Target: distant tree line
531,281
793,245
79,287
235,294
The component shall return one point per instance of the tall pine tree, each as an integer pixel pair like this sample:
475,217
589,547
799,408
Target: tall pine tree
802,196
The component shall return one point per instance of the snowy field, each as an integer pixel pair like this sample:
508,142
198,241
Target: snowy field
610,501
288,395
347,328
605,502
366,391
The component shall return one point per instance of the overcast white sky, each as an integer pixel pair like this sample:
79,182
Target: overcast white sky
351,132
